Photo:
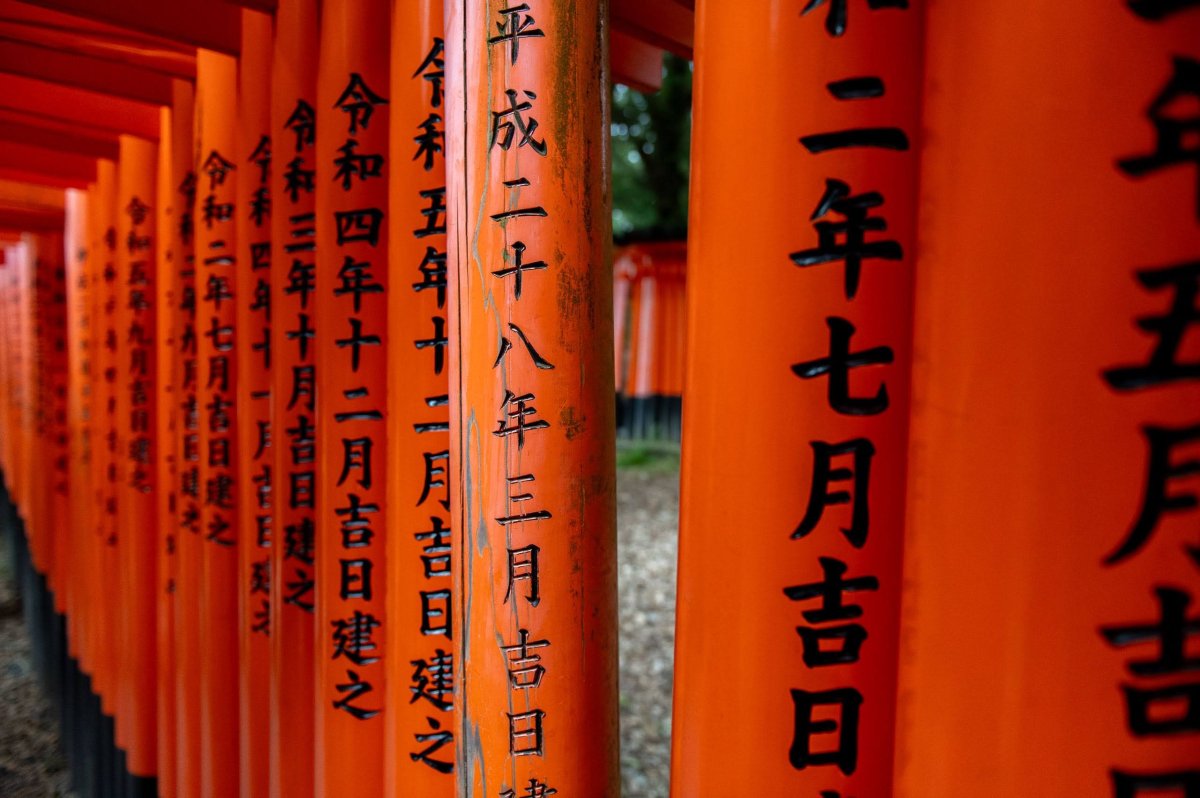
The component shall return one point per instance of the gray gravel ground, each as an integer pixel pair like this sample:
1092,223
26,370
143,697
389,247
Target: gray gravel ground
647,512
31,765
647,530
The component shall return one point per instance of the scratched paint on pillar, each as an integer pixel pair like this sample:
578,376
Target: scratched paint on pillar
293,305
532,407
1158,691
421,677
525,523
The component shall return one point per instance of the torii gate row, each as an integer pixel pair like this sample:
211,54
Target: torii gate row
939,448
82,87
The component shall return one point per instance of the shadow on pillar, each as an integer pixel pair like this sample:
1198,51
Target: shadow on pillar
97,767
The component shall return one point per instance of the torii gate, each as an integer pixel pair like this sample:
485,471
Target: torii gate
312,362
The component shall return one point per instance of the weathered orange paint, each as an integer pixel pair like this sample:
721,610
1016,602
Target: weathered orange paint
533,434
758,309
137,484
255,497
167,440
216,391
1029,468
420,675
189,541
293,245
351,507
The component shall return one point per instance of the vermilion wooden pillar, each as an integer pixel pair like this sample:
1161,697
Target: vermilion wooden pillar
350,315
420,701
137,451
90,532
216,392
293,257
52,386
533,481
58,450
79,387
1049,633
255,491
788,602
105,451
189,539
166,430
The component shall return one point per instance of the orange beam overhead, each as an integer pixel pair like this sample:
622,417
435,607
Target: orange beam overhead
79,169
39,179
666,25
634,62
25,23
13,192
198,23
85,72
67,104
53,125
28,219
37,136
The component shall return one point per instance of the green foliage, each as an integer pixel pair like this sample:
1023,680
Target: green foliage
647,456
651,136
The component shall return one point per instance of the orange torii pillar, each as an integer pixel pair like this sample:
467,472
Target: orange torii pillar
166,284
40,510
136,401
52,451
104,452
1052,576
252,293
93,544
350,315
189,539
533,482
293,354
420,720
216,391
79,386
58,451
27,375
816,338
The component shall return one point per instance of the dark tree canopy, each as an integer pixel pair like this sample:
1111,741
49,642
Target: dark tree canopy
651,148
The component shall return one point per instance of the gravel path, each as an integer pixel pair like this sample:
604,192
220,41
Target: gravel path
647,512
31,765
647,526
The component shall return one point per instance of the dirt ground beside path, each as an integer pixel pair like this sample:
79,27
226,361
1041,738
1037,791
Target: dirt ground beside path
31,765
